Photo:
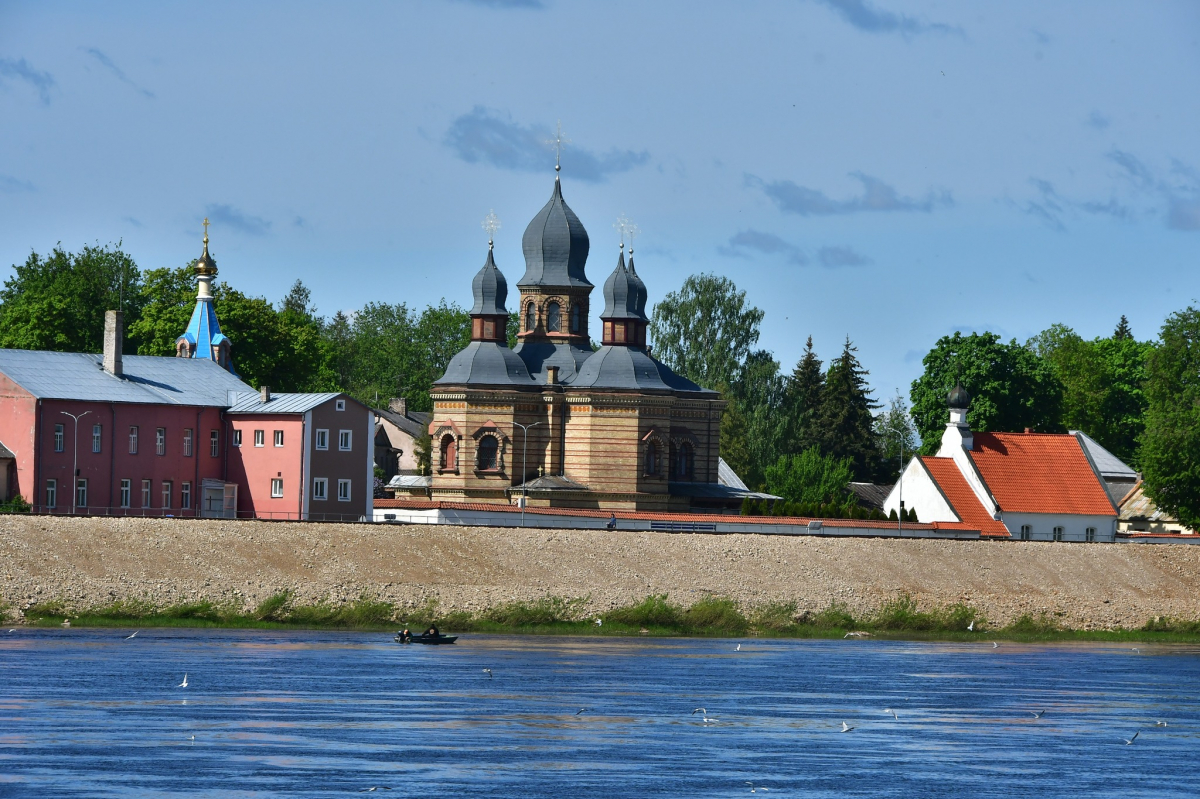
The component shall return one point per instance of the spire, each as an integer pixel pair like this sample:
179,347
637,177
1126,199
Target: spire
490,289
621,294
203,337
632,230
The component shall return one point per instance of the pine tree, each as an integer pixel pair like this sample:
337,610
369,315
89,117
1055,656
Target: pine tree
1123,331
802,402
847,414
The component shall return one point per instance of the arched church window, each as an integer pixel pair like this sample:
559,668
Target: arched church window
530,317
684,461
574,318
449,452
651,457
488,448
554,318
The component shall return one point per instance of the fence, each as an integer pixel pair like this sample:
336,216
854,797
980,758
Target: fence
192,513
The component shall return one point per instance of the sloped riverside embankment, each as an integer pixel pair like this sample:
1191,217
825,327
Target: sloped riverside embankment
89,562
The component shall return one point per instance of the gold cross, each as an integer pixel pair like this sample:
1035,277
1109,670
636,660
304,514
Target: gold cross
206,228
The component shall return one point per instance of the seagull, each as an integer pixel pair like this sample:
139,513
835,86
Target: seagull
184,683
846,727
739,648
1037,715
12,631
1135,649
488,672
1160,724
857,634
1128,741
375,788
598,622
994,644
193,740
581,710
135,632
889,710
971,626
705,713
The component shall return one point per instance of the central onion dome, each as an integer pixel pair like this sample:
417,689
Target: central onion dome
959,398
555,246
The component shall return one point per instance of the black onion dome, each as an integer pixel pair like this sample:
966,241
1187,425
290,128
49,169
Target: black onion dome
555,246
641,287
621,294
959,397
490,290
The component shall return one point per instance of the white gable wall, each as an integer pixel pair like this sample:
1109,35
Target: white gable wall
920,492
1074,526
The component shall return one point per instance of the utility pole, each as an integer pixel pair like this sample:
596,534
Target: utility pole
75,464
524,462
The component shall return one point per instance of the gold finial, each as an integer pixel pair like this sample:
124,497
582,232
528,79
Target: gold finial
206,231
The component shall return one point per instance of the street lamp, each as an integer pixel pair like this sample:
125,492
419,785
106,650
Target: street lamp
525,462
75,465
900,484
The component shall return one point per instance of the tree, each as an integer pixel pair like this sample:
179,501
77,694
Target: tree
1170,453
1123,330
734,448
897,439
759,395
58,302
810,478
802,402
846,420
705,330
1011,387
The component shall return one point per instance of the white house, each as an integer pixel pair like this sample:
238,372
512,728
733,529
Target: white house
1031,486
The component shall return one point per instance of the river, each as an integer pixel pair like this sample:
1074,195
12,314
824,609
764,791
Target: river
90,713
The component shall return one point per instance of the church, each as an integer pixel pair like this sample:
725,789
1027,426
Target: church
552,422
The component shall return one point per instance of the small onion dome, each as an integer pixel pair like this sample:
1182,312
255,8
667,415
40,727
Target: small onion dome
621,294
555,246
959,397
490,290
637,282
206,266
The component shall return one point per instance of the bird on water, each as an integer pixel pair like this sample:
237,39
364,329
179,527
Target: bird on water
135,632
1128,741
488,672
184,683
846,727
1037,715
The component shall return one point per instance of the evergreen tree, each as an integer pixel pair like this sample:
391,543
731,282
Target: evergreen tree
847,415
802,402
1123,331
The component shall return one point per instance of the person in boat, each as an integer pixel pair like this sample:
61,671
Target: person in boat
406,634
432,632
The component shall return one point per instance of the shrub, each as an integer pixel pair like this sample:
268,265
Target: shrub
716,613
1167,624
959,617
50,608
653,611
548,610
775,616
16,505
901,614
1025,623
835,617
274,608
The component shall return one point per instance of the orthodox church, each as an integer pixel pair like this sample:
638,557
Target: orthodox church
203,337
553,422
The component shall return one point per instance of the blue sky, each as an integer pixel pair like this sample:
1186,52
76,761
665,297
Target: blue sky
886,170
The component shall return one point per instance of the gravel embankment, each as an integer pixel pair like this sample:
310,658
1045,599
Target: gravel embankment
92,561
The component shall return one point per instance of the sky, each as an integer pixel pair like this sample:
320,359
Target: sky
890,171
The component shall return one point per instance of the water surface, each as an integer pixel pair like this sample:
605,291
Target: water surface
88,713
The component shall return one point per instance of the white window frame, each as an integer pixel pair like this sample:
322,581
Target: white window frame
214,443
160,441
345,440
146,488
126,492
59,438
133,439
168,494
322,439
188,434
276,487
344,490
260,438
237,438
185,495
339,405
278,438
320,488
81,492
97,437
1090,535
51,493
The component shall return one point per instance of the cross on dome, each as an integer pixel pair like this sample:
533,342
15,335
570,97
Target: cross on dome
557,143
491,223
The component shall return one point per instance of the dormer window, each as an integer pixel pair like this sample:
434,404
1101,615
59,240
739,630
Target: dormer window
554,318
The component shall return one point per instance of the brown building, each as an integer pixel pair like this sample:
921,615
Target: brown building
552,419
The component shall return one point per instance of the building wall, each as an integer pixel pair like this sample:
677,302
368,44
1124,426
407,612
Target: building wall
1074,527
920,492
253,468
333,464
18,420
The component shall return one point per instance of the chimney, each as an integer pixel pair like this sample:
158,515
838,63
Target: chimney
264,393
1028,430
398,405
551,375
114,340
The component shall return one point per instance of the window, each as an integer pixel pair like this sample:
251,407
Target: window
340,405
684,461
214,443
489,329
51,493
58,438
554,318
1026,532
619,333
488,449
97,435
185,496
160,441
1090,534
260,438
320,488
608,331
322,439
574,318
651,457
279,438
276,487
530,317
81,492
237,438
343,490
1058,534
145,493
167,490
344,440
187,442
125,492
449,450
133,440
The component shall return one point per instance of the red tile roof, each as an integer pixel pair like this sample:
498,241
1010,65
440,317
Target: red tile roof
1039,473
962,498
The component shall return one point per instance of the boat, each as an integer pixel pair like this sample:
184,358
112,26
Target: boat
425,639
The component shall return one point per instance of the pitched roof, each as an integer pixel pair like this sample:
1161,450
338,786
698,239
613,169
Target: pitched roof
280,403
1108,464
622,367
555,246
147,379
872,495
487,363
961,497
1039,473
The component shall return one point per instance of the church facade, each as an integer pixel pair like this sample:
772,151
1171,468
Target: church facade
554,423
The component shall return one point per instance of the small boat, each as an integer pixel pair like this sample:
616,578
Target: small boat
425,639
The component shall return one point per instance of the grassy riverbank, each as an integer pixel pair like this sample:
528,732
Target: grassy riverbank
656,616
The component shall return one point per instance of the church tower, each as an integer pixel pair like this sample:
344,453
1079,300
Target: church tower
203,337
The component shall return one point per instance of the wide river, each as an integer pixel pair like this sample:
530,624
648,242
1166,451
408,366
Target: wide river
90,713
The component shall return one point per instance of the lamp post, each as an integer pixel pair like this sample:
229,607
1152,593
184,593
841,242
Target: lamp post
75,464
525,462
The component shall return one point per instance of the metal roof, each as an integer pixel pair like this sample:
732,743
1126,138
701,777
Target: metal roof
486,363
555,246
5,452
726,476
538,355
1108,464
280,403
147,379
622,294
490,289
623,367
